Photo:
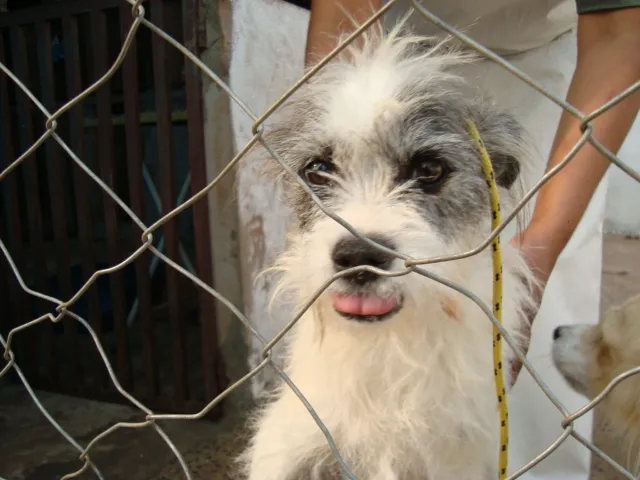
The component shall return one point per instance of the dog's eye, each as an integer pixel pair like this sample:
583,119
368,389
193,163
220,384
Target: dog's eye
316,172
429,172
428,169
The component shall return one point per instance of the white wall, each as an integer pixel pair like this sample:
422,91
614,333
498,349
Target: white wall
623,201
268,38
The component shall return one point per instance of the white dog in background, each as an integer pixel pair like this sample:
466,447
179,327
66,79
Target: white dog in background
399,369
589,357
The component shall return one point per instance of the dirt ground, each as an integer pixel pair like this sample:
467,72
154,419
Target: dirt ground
31,449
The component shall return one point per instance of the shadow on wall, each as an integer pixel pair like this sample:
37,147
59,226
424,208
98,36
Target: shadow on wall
300,3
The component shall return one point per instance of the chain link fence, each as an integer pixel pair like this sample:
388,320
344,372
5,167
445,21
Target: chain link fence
64,308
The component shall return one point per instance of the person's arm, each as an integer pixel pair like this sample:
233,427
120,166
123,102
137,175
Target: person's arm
608,63
328,21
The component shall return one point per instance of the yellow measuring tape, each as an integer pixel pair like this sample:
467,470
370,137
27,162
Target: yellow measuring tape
487,168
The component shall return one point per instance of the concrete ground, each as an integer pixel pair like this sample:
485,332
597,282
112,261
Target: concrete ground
30,448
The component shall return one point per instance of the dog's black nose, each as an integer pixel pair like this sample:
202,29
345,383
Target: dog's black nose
557,333
352,252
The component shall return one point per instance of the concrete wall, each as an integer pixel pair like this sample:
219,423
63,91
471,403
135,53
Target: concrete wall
219,150
623,200
267,38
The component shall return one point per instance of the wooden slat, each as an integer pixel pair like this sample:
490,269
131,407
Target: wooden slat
133,133
57,196
55,10
32,187
211,359
107,172
14,233
9,184
7,320
83,186
168,196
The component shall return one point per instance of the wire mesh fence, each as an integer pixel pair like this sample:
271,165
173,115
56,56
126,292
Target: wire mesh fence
64,308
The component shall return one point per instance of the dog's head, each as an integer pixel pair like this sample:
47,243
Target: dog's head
382,139
589,357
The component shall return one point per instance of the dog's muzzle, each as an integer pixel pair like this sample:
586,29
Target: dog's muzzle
352,252
361,305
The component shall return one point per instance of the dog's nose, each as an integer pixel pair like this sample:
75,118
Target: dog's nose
352,252
557,332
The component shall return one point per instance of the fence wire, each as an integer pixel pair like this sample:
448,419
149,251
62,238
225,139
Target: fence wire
151,419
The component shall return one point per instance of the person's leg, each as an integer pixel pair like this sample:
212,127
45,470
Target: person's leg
573,291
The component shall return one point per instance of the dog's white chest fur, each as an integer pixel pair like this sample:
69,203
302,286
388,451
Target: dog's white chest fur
412,397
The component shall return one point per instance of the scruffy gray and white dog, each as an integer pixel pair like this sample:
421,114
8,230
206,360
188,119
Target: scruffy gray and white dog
399,369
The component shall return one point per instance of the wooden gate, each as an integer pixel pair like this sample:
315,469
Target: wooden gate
142,133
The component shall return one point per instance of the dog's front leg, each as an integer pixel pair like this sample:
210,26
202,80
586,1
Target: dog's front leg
287,445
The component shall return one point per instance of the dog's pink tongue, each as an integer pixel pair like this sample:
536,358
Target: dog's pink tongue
358,305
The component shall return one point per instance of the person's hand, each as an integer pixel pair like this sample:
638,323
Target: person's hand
607,41
541,262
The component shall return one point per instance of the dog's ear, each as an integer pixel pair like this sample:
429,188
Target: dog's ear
503,137
506,168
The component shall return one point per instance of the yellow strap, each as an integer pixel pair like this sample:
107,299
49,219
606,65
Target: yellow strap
487,168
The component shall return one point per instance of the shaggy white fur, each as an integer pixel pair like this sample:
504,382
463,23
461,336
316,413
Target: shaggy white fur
409,394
